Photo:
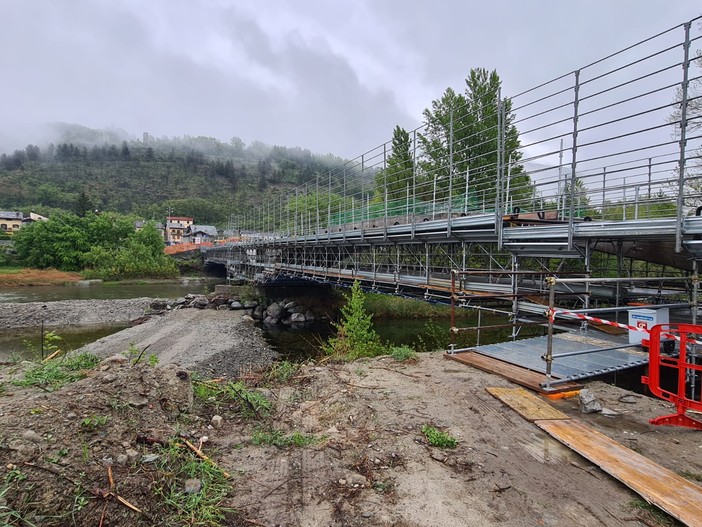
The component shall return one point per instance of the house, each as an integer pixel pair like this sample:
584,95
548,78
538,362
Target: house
200,233
10,222
175,228
33,216
139,224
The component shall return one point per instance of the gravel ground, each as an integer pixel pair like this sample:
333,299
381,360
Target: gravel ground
72,313
214,343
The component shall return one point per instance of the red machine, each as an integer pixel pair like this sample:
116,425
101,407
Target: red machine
675,371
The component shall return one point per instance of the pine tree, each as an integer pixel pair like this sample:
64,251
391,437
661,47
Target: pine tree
400,167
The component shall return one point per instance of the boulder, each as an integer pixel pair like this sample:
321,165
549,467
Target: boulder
257,313
220,300
200,302
298,318
250,304
275,310
235,304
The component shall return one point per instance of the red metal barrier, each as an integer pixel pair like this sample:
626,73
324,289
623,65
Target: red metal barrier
672,350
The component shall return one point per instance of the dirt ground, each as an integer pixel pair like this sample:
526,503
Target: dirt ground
371,464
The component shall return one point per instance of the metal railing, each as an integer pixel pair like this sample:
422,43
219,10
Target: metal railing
617,139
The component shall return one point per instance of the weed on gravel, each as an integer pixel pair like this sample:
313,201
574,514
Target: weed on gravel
277,438
55,373
194,489
251,403
437,438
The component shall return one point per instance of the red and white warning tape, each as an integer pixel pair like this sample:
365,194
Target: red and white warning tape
553,313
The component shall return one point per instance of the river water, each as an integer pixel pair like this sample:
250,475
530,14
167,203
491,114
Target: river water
104,291
22,342
293,344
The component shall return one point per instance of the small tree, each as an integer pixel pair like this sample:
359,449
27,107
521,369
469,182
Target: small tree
355,335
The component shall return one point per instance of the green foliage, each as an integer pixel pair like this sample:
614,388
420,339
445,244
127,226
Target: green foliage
692,476
194,176
403,353
105,246
251,403
135,355
203,508
400,167
56,373
282,371
433,338
388,306
355,335
437,438
470,119
52,343
93,422
278,438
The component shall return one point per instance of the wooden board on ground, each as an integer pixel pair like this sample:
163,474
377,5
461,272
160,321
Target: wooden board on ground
526,404
516,374
663,488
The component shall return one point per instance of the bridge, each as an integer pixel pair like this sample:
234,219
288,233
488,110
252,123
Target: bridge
578,197
595,173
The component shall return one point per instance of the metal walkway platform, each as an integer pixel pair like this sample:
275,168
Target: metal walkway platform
527,354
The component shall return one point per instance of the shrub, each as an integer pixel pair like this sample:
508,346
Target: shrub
355,335
403,353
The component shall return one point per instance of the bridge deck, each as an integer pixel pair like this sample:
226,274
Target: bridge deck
526,354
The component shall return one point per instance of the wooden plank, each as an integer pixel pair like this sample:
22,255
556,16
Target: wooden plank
677,496
516,374
526,404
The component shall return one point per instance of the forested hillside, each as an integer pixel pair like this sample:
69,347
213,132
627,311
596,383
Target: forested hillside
198,176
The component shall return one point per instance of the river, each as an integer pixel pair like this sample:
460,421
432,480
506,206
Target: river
293,344
22,342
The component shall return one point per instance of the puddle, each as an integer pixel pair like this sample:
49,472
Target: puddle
547,450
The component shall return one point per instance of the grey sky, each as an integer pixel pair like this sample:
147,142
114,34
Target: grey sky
329,76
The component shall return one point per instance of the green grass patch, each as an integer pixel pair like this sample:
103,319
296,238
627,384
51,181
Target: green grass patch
403,353
11,270
205,507
281,371
251,403
56,373
93,422
278,438
388,306
437,438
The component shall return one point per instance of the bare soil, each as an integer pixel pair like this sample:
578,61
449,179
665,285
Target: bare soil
371,465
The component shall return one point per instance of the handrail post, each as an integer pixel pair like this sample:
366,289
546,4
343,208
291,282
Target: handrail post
574,159
453,308
683,139
551,282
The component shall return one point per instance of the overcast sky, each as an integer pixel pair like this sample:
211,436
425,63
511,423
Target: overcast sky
331,76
